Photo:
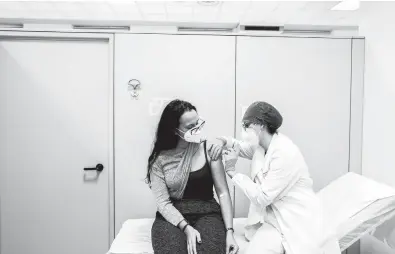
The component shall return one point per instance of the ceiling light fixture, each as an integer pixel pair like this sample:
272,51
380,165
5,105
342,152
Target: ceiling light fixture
208,3
11,25
347,5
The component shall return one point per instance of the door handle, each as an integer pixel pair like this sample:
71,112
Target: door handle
99,167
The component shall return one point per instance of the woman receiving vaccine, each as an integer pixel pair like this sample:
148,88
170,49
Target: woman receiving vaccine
182,175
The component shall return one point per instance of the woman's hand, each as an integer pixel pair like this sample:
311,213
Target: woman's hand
231,245
193,236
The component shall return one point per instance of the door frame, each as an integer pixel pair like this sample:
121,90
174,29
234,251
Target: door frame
109,38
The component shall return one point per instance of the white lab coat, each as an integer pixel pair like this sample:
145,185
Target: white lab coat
281,193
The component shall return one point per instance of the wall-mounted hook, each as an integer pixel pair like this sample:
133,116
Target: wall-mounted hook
134,86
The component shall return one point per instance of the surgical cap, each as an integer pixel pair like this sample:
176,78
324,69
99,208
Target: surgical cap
261,112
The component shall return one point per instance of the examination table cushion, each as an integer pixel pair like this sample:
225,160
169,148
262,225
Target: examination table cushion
353,205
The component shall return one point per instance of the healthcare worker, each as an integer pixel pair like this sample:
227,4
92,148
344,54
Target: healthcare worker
285,214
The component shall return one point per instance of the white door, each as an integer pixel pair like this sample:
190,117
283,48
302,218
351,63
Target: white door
308,80
55,120
195,68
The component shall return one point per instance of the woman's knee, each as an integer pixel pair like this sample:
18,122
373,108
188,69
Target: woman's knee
213,234
167,239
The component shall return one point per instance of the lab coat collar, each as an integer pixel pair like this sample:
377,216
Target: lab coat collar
260,162
272,145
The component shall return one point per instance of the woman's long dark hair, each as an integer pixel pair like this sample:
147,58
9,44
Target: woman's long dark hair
166,137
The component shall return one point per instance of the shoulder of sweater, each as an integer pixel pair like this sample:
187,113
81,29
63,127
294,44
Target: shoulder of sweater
164,157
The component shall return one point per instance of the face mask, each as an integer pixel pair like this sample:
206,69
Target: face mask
197,137
251,137
194,135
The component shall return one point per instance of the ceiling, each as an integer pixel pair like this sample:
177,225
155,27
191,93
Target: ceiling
273,12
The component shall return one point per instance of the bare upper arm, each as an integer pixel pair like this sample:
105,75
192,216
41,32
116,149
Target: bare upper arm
219,177
218,174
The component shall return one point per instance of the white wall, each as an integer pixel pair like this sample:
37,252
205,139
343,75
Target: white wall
379,108
377,24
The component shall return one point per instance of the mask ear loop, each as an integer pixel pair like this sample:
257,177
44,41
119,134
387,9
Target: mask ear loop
179,134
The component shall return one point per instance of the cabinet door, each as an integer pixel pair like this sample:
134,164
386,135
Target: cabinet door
308,81
195,68
55,120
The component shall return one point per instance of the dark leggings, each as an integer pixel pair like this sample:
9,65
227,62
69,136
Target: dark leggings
168,239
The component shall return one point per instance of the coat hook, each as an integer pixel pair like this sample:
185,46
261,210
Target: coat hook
134,86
